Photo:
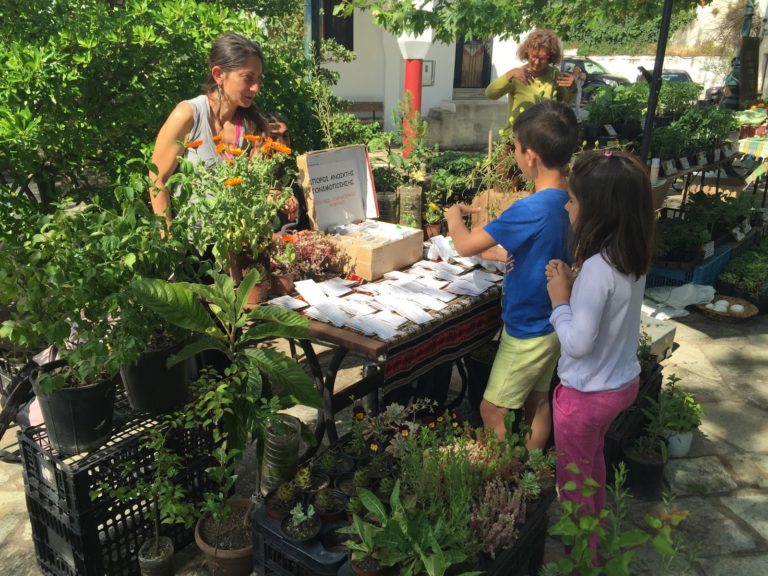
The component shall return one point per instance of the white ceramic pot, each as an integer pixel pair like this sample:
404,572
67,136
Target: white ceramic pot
679,443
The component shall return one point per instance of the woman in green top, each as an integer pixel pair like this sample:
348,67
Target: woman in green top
539,79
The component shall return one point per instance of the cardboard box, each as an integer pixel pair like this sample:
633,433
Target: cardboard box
372,256
341,199
661,333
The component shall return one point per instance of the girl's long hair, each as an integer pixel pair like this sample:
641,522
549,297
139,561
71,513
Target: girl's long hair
616,214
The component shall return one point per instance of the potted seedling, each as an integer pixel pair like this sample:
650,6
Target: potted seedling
334,464
679,414
279,503
310,482
330,504
301,525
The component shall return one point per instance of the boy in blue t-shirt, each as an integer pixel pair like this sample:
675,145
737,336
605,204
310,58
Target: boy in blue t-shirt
533,231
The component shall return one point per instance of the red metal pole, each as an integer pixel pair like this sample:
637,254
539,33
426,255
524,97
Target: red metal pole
413,85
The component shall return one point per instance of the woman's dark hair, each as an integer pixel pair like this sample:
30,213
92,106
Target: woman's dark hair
231,51
615,210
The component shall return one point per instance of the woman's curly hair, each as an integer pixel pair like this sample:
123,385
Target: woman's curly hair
538,39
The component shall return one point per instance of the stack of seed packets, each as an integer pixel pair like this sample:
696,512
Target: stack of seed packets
383,308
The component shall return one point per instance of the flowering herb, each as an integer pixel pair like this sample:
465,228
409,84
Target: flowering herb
234,204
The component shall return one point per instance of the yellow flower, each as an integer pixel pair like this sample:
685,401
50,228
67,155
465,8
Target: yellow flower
235,151
233,181
433,206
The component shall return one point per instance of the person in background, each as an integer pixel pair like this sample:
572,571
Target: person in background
536,80
533,231
597,315
222,114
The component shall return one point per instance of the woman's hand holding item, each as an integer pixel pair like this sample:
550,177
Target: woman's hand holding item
521,73
559,282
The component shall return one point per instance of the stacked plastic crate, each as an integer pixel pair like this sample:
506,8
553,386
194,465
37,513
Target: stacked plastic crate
77,528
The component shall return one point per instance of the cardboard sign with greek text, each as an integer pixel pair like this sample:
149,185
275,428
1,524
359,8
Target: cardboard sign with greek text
338,186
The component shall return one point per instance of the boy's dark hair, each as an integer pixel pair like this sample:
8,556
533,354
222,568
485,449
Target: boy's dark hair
550,129
615,210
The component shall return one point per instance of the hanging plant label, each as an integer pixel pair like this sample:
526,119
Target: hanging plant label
701,158
727,150
684,163
717,154
669,167
611,130
708,249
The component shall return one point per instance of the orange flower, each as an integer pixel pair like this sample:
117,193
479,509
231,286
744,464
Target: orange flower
280,147
235,151
220,147
193,144
230,161
217,138
253,138
233,181
267,145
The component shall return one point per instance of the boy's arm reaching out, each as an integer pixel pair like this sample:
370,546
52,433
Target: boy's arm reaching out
467,242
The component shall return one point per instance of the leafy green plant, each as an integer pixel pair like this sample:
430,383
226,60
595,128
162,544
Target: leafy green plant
677,97
676,407
616,542
259,381
669,142
749,271
680,238
617,104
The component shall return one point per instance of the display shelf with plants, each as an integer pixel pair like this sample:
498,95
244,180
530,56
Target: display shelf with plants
746,276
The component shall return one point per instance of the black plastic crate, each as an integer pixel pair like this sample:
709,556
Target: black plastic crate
76,534
275,556
69,480
103,542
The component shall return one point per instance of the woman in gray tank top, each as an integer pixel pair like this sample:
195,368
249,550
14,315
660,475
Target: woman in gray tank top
224,111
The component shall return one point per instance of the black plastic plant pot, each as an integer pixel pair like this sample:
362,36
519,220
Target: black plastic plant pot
309,530
157,562
78,419
644,477
153,387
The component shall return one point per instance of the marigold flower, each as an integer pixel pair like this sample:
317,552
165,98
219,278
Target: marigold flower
218,138
220,147
251,138
230,161
193,144
233,181
280,147
235,151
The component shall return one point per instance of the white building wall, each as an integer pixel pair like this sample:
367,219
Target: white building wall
378,73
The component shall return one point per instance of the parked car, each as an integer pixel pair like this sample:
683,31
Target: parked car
597,76
666,74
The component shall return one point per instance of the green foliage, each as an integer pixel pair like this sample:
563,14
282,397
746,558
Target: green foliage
73,266
217,315
480,19
619,104
669,142
86,86
676,408
676,98
168,497
594,33
707,126
719,212
617,542
749,270
679,238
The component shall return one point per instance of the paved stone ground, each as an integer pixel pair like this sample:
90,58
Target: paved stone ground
723,483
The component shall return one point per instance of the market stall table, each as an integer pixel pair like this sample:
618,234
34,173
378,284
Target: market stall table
464,325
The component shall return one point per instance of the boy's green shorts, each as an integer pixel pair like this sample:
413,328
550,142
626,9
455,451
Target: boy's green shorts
520,366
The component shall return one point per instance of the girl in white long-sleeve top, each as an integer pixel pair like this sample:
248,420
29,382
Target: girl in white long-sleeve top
596,312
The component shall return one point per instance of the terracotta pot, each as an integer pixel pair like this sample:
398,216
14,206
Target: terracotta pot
257,295
431,230
236,562
282,284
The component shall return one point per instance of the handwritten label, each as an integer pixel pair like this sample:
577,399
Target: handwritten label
669,167
684,163
611,130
